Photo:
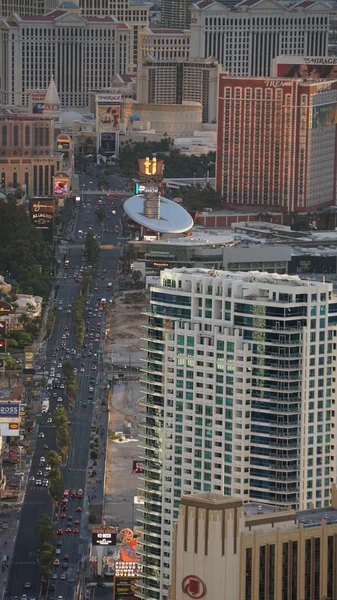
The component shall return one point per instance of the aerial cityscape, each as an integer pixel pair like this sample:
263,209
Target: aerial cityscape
168,299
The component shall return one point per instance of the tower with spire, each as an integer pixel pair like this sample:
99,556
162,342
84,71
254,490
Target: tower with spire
52,105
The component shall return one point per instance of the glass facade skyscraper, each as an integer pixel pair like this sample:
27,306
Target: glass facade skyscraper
239,397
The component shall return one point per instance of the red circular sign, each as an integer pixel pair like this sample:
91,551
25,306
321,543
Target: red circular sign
193,587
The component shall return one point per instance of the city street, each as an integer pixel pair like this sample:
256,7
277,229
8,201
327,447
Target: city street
24,566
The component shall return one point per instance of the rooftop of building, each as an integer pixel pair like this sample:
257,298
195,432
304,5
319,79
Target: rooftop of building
275,4
247,277
252,510
162,31
59,13
198,237
27,117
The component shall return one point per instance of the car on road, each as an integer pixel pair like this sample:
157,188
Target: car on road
50,420
38,483
63,515
91,389
76,522
94,367
48,468
63,576
39,473
59,531
65,565
79,509
57,551
66,557
31,478
54,576
59,399
80,493
56,562
45,483
45,446
84,405
41,435
76,531
28,585
68,530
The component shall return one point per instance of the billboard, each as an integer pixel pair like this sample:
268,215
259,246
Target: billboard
108,142
5,308
108,118
104,537
61,185
36,100
126,588
9,409
42,215
146,188
313,67
12,429
323,115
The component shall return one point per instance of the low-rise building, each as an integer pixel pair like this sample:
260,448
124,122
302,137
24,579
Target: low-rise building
253,550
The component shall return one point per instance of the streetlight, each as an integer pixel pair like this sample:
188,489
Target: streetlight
20,450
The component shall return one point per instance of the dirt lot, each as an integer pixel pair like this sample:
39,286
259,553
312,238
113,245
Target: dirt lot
124,329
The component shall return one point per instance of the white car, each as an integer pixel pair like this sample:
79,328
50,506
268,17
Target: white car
38,482
58,551
59,399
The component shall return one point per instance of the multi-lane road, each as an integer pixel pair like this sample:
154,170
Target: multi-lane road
24,565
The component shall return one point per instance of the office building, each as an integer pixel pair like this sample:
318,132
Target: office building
175,14
133,12
26,7
277,142
163,44
82,53
253,551
177,81
246,39
27,156
239,398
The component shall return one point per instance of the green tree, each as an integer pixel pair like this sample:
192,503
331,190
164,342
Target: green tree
100,214
91,248
56,489
67,370
44,529
54,459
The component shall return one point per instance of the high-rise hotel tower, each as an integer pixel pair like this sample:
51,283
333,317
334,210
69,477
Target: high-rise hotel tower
239,382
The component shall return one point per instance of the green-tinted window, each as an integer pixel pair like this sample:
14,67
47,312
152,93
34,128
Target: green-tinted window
180,383
218,400
209,411
220,345
197,464
198,409
230,346
189,385
189,395
207,455
179,428
208,303
179,406
181,340
190,340
207,476
208,314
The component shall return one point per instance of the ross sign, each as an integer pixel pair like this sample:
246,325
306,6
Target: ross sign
61,185
5,308
108,118
143,188
104,537
10,409
306,67
126,587
109,98
12,429
150,167
193,587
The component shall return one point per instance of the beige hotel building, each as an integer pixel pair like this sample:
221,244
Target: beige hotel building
227,550
27,155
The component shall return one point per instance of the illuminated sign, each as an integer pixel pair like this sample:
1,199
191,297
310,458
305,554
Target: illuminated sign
12,429
104,537
61,185
108,118
137,466
143,188
9,410
38,205
138,500
193,587
2,345
305,67
5,308
150,167
126,588
109,98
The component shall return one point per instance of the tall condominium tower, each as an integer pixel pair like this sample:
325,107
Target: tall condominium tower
277,142
175,14
239,397
245,39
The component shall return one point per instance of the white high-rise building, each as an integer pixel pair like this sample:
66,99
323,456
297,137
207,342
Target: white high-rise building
239,398
133,12
82,53
246,39
26,7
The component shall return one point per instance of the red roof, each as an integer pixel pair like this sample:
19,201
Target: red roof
127,78
122,26
100,19
304,4
48,17
173,31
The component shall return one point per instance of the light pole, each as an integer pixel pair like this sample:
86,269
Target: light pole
20,450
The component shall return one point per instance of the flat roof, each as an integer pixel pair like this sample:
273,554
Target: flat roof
248,276
199,237
173,217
